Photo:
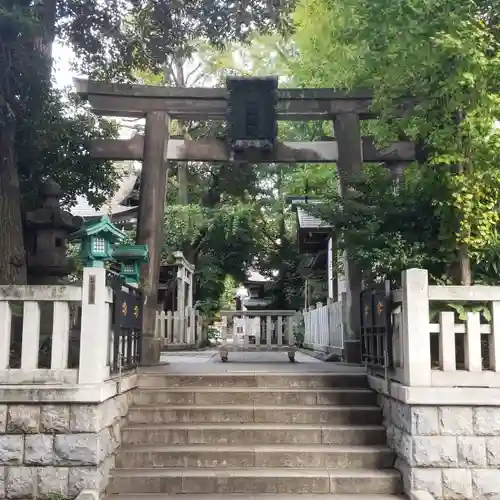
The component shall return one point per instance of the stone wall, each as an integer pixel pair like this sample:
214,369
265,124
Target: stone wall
58,449
453,452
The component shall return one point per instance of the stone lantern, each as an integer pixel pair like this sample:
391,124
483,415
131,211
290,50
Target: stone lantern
97,238
47,230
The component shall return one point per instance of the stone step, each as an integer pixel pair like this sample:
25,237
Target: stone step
254,481
275,380
262,496
282,456
296,414
254,395
224,434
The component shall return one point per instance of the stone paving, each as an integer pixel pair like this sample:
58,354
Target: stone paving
272,362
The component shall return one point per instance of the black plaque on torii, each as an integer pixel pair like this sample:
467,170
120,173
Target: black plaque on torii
252,116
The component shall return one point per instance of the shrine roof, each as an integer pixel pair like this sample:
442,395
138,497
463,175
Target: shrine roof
114,205
308,221
302,205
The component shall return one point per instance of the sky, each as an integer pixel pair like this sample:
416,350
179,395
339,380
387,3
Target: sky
62,65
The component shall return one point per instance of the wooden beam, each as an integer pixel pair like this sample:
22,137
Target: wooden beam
201,109
87,87
215,151
211,103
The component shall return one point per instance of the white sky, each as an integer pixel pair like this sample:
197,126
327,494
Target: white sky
63,74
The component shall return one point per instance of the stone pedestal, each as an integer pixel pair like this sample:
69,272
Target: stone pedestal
449,451
59,449
352,351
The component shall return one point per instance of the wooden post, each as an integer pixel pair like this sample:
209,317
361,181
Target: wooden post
181,287
150,223
190,288
349,165
330,268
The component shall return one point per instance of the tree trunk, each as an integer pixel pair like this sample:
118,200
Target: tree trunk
47,15
12,254
463,257
465,266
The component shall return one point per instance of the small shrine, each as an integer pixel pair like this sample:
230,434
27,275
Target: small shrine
175,291
315,241
47,231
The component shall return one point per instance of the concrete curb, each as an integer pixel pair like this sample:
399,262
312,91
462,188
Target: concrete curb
420,495
88,495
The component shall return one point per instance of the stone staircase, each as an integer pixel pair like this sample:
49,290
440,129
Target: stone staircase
254,434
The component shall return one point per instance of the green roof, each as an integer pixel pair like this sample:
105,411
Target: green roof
99,226
136,252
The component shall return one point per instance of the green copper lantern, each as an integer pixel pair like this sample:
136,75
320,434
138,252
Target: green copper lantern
97,238
130,258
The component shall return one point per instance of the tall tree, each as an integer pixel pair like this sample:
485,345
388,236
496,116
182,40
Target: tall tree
111,39
444,54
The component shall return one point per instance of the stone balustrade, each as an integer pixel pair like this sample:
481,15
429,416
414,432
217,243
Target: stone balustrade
60,412
441,400
56,334
433,348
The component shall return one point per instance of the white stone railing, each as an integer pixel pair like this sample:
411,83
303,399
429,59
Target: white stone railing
180,328
447,353
55,315
324,327
264,330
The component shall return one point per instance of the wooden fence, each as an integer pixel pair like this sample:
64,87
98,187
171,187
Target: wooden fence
324,327
180,330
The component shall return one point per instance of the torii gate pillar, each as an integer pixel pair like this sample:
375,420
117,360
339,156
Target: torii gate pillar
150,223
350,164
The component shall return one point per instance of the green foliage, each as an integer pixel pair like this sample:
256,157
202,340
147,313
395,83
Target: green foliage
238,217
145,34
57,145
41,134
218,241
446,56
299,331
391,229
460,310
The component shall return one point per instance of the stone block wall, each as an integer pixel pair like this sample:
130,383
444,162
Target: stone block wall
58,449
453,452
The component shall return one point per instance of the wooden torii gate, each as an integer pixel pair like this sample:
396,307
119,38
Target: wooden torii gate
158,105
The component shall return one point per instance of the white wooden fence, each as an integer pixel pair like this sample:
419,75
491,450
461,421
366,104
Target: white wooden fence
324,327
258,331
450,352
41,326
180,330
